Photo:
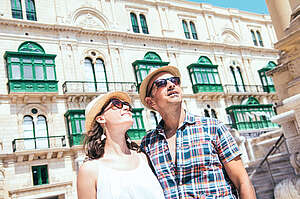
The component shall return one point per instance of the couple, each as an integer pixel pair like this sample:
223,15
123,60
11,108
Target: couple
191,156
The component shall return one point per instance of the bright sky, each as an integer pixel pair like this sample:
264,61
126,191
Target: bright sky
256,6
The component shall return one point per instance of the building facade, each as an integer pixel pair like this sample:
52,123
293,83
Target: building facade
56,56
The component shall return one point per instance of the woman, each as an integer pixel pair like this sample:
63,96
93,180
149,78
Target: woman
115,169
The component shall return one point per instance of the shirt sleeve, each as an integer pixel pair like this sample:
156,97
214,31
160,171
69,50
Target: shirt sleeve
143,145
226,145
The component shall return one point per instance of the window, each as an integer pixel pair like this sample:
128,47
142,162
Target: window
95,76
237,77
193,29
137,130
35,132
16,9
134,23
144,24
31,69
142,67
251,115
75,124
256,36
204,76
266,81
40,175
186,29
30,10
259,39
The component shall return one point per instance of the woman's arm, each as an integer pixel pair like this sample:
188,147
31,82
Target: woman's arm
87,181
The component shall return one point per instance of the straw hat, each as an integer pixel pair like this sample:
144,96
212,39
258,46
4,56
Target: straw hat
95,106
144,85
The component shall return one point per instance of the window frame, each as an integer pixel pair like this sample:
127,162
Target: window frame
134,23
16,9
186,29
143,23
30,10
38,169
193,30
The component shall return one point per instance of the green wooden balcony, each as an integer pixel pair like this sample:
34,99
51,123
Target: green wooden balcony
97,87
16,86
251,116
76,139
34,143
198,88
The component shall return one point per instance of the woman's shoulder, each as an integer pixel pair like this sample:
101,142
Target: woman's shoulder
89,167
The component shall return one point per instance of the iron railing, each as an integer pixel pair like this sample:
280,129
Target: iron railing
97,87
273,149
23,144
230,88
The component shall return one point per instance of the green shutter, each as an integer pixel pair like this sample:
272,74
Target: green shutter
75,122
40,175
193,29
186,30
144,24
134,23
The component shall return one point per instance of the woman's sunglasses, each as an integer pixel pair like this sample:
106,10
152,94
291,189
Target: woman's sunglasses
119,104
163,82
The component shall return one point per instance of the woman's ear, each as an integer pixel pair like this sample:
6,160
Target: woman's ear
149,101
100,119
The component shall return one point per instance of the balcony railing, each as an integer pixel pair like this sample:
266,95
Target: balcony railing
24,144
97,87
136,134
228,88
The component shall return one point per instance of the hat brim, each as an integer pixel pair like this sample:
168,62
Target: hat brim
95,106
144,85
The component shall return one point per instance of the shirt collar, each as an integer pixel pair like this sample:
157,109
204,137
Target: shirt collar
189,119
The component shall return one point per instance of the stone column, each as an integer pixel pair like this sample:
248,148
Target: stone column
280,11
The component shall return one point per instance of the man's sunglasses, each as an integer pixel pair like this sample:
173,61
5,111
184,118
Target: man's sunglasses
119,104
163,82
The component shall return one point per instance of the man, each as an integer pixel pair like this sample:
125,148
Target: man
192,156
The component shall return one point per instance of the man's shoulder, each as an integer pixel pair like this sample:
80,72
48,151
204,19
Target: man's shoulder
147,138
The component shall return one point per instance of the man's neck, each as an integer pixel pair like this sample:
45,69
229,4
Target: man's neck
173,118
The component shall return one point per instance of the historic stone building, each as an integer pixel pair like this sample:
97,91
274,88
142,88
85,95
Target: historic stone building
286,20
57,55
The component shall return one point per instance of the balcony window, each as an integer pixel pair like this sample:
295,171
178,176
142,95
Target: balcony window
137,131
75,122
144,24
31,69
204,76
16,9
134,23
30,10
193,30
251,115
95,76
142,67
186,29
40,175
266,81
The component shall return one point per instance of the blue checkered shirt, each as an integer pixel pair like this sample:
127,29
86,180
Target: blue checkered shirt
202,146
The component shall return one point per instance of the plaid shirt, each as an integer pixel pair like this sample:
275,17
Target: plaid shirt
202,146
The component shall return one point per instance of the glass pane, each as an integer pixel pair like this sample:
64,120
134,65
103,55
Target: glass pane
16,73
35,176
270,81
28,132
26,60
50,73
134,126
199,78
14,59
38,61
211,78
217,79
143,73
27,72
82,125
44,175
41,131
49,61
39,73
77,126
100,75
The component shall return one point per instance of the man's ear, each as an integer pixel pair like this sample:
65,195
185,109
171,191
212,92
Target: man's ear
149,101
100,119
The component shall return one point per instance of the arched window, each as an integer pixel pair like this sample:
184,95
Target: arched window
259,38
193,29
35,132
254,38
213,114
134,23
144,24
30,10
95,75
238,78
16,9
206,113
186,29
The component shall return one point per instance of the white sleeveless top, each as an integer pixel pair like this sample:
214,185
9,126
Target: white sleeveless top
139,183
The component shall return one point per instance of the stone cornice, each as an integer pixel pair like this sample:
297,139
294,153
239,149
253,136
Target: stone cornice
278,69
129,35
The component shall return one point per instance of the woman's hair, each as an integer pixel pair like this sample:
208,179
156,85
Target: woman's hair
94,140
